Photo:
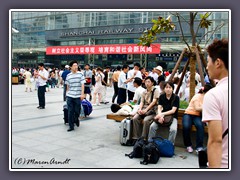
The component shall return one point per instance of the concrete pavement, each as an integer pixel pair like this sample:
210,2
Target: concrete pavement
40,138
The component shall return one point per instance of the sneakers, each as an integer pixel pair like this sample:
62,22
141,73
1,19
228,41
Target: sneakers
94,104
189,149
199,149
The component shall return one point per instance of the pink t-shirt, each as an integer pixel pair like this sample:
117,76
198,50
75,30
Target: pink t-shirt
215,107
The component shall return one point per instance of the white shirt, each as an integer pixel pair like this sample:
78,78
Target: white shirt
121,79
187,93
154,75
138,94
44,73
130,85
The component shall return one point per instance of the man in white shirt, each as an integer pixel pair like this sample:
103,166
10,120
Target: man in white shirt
154,74
130,87
139,90
42,79
122,85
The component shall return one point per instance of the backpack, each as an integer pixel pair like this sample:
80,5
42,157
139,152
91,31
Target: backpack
137,149
87,107
151,154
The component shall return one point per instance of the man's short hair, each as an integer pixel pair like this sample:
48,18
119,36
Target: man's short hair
125,66
137,64
219,49
41,64
72,62
138,81
118,68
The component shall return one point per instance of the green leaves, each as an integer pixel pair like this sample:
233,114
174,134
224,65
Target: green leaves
160,25
205,23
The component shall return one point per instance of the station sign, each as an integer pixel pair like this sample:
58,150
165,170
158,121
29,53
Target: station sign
104,49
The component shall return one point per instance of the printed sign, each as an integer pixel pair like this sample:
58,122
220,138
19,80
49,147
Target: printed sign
104,49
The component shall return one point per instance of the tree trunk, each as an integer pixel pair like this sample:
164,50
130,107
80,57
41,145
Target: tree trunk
192,74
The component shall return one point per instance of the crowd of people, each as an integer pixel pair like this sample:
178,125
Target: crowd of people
154,95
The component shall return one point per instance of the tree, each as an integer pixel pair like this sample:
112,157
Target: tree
193,51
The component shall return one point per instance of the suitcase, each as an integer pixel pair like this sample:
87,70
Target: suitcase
65,113
87,107
126,129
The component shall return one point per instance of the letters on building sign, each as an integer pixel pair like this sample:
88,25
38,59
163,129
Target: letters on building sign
102,32
104,49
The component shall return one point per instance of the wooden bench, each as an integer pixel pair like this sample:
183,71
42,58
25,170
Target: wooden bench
180,115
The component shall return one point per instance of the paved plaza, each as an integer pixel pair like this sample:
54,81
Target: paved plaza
40,138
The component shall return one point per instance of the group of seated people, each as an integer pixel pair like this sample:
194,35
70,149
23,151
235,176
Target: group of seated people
148,114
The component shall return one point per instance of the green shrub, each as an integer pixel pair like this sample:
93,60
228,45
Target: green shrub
183,104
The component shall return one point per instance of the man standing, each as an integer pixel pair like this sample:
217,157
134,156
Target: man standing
122,85
75,89
130,87
88,77
64,75
115,77
215,105
42,79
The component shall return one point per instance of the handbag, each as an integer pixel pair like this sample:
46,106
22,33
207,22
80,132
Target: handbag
168,119
165,147
203,157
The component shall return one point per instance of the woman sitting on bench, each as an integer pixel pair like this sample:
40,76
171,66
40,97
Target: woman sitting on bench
193,115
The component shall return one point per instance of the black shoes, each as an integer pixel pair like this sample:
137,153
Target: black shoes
70,129
40,107
77,123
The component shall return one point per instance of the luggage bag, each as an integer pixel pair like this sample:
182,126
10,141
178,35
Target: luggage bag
126,129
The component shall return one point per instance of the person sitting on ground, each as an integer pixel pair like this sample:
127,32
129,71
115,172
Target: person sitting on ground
193,115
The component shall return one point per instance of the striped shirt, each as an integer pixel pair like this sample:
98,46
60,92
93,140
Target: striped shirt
74,82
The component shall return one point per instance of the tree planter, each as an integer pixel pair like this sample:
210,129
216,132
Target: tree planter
15,79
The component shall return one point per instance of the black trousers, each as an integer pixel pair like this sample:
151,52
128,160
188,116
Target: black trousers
41,95
115,86
64,91
122,96
130,95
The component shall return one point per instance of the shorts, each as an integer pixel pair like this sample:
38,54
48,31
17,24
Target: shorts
87,90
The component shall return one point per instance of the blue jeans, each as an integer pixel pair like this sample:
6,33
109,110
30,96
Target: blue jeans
74,108
187,122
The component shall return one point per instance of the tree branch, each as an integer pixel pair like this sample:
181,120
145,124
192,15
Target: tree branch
212,32
179,21
200,23
181,17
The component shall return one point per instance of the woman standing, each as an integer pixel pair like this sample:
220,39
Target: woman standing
27,75
98,86
193,116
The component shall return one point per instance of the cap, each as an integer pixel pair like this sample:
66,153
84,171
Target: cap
67,66
159,68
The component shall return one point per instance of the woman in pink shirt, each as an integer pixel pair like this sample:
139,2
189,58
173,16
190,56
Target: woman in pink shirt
193,116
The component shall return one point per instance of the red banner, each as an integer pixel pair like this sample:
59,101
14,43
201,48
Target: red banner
104,49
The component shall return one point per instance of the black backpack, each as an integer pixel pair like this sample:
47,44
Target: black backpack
151,154
137,149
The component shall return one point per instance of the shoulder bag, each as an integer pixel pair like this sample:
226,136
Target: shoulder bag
168,119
